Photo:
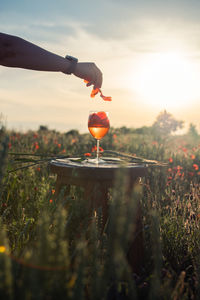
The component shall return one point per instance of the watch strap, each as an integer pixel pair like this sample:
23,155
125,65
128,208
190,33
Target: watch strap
72,67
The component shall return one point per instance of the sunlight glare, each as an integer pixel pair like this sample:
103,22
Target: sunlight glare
167,80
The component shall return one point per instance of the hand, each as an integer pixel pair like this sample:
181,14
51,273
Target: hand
89,72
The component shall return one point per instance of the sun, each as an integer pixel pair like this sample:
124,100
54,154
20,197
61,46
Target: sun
167,80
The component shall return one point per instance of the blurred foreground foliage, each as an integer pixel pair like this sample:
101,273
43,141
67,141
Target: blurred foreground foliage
51,248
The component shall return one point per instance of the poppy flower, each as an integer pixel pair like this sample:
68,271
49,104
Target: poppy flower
170,159
99,119
196,167
95,149
96,91
87,154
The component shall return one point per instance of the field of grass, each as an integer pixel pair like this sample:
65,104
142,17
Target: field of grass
48,251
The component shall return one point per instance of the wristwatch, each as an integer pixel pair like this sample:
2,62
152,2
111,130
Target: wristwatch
72,67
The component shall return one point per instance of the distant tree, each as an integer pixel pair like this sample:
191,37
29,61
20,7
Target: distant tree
144,130
192,130
165,124
43,128
72,132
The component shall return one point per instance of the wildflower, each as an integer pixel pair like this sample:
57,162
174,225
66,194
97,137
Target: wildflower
2,249
72,281
173,192
95,149
114,136
35,136
73,141
53,191
184,149
170,159
196,167
192,156
169,170
87,154
155,143
38,169
198,173
96,91
179,168
9,145
59,145
169,178
50,201
36,146
64,151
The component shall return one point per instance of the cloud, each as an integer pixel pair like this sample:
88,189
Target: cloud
116,35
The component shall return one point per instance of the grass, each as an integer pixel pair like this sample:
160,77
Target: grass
48,251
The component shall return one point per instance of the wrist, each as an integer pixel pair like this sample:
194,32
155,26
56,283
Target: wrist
72,64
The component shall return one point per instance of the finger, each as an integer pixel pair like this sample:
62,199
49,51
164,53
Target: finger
99,79
94,76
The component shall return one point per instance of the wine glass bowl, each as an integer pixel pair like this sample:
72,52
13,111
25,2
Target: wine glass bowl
98,125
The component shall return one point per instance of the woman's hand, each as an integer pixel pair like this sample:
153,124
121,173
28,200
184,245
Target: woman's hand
89,72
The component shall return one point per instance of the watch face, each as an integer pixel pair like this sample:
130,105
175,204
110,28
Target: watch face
71,58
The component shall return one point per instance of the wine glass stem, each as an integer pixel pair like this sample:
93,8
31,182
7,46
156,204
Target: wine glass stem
97,150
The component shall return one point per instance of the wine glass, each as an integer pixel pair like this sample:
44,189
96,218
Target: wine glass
98,125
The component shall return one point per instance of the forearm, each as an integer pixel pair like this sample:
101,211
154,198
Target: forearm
16,52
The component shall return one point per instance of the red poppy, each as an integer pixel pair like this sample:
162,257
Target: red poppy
87,154
179,168
73,141
95,149
192,156
96,91
196,167
36,146
170,159
50,201
99,119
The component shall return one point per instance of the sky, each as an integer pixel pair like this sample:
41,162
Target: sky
148,51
